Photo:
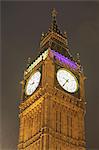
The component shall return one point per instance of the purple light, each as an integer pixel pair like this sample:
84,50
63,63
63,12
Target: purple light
65,60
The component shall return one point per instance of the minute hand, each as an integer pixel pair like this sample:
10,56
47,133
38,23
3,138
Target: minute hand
65,82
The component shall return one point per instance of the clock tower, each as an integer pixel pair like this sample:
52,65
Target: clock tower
52,109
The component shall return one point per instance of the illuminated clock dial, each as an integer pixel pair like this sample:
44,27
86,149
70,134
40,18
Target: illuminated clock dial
33,83
67,80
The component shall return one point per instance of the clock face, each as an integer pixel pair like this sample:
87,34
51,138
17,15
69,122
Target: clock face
33,83
67,80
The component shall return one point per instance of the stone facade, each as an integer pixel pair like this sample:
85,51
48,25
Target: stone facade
51,118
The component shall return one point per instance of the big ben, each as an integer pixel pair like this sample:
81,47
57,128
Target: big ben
52,109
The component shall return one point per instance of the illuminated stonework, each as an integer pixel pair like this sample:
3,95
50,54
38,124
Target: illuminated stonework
51,117
38,60
65,60
52,53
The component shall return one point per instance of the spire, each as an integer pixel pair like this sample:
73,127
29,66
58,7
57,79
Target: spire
54,13
78,57
28,61
54,26
54,38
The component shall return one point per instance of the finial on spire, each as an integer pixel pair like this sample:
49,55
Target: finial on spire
42,35
54,26
78,57
54,13
65,34
29,60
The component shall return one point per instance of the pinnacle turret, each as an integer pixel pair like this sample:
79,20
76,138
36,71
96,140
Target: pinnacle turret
54,26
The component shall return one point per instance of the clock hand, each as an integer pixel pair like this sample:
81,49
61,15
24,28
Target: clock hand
32,83
65,82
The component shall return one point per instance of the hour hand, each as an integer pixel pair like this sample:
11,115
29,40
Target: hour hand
64,83
32,83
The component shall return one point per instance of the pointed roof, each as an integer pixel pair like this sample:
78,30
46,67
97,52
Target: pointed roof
55,39
54,27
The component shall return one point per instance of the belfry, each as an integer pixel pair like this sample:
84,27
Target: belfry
52,109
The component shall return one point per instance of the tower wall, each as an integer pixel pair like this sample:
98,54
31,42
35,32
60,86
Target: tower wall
52,122
51,117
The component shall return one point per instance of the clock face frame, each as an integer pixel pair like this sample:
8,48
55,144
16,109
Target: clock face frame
67,80
33,83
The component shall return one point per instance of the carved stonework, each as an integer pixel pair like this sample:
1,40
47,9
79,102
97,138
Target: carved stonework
52,118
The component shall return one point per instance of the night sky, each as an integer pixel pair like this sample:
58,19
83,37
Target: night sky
22,24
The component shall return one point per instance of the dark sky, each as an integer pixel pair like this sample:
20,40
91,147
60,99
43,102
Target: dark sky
22,24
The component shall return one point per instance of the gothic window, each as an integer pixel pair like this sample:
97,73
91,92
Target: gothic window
69,124
58,121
